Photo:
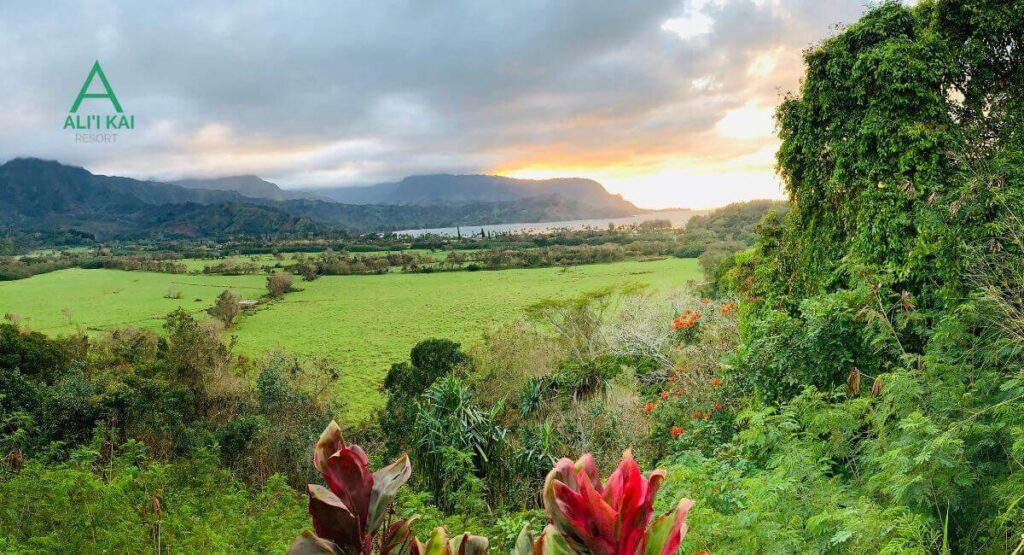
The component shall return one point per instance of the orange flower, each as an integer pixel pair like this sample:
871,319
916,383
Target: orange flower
716,406
695,414
707,416
677,431
704,301
673,379
715,382
664,394
648,408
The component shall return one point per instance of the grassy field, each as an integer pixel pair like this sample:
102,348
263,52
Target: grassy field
363,322
106,299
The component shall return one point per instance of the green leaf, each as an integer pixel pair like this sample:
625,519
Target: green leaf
386,482
438,544
524,543
307,543
552,543
840,537
468,544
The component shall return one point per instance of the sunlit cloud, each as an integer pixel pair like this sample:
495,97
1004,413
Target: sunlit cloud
705,83
751,121
668,102
764,63
693,25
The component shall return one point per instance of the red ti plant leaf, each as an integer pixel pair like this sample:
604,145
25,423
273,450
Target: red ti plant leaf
350,479
332,519
667,531
399,537
348,514
330,442
349,511
609,519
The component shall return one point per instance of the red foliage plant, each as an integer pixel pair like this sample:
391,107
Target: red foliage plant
614,518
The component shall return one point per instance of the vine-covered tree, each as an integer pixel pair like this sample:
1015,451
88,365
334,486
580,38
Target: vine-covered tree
903,147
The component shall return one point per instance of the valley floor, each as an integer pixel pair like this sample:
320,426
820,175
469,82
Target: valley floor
363,323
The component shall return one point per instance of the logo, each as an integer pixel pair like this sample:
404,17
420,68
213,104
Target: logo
95,116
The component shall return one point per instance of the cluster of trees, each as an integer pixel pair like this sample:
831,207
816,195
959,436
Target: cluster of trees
331,263
235,267
143,264
483,427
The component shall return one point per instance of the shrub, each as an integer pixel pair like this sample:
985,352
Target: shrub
227,308
279,283
781,354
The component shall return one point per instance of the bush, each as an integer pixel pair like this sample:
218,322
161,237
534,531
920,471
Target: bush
782,354
279,283
227,308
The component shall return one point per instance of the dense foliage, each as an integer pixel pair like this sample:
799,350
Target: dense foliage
129,439
897,270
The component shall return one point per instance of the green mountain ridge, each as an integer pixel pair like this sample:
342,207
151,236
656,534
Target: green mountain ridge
43,195
447,188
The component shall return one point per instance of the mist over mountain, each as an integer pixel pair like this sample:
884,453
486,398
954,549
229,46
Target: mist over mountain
42,195
248,185
447,188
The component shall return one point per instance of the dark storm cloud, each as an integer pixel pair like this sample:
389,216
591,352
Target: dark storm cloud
356,92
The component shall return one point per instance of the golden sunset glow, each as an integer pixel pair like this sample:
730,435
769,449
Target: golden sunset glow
714,185
733,162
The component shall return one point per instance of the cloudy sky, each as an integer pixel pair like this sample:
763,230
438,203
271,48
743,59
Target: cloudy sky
667,102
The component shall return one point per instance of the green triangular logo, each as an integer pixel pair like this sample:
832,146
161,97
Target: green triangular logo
84,93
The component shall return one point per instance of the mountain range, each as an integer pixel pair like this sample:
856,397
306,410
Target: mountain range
42,195
447,188
248,185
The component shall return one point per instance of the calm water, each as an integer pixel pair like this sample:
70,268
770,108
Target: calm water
677,217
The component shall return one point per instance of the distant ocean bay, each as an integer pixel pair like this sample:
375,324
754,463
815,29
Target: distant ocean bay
677,217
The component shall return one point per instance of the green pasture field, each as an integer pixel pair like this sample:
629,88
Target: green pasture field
196,265
364,323
106,299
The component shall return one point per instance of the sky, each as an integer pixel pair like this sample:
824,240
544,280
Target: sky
668,103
